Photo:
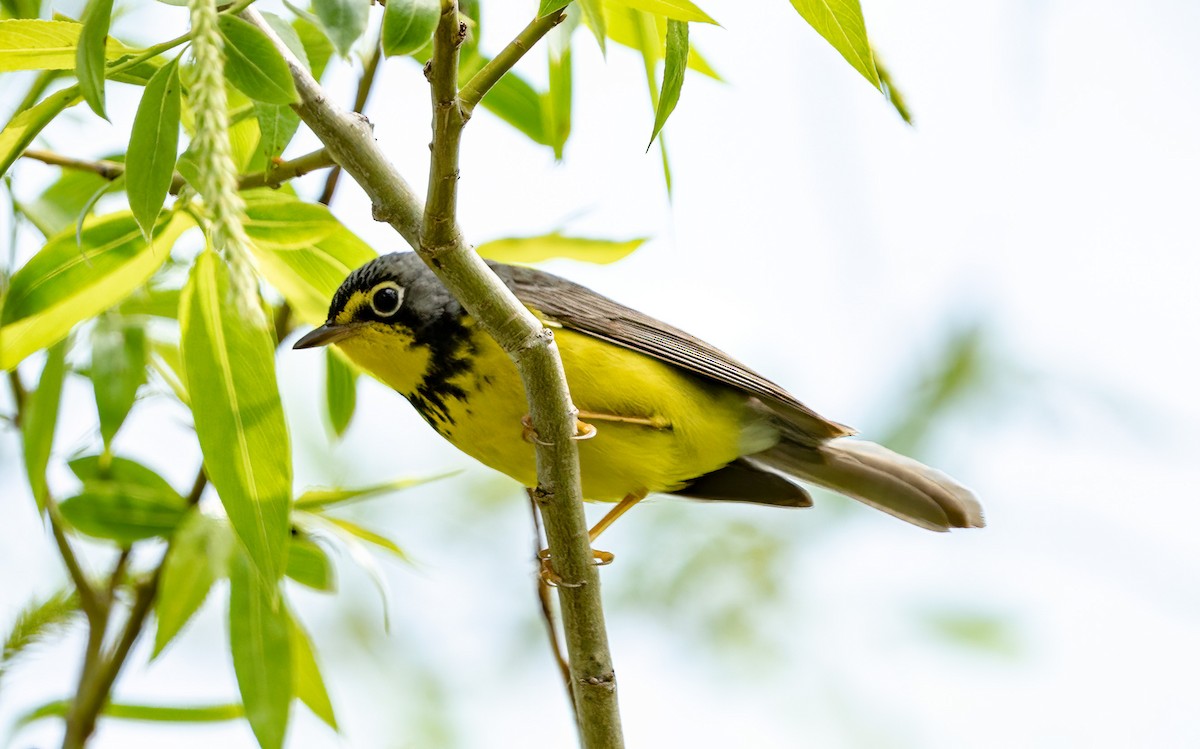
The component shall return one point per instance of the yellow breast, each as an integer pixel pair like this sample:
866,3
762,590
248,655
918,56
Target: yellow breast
678,426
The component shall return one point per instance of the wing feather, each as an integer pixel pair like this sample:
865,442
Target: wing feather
562,302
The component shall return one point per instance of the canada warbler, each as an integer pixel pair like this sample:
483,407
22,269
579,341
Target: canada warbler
666,411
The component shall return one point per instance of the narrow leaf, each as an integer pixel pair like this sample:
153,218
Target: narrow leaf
61,204
340,391
302,250
253,65
89,56
344,21
352,529
317,45
22,129
546,7
260,642
528,250
307,681
277,125
228,355
676,66
408,25
316,499
119,353
556,109
308,564
153,146
41,417
150,713
679,10
75,277
198,557
893,95
841,23
594,17
34,44
122,500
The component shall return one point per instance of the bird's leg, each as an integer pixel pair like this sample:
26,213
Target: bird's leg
600,558
583,431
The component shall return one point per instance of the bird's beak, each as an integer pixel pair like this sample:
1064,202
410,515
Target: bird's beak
324,335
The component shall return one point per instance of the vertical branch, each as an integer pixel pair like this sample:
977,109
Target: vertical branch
434,232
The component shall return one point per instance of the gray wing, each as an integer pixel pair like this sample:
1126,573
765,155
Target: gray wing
560,301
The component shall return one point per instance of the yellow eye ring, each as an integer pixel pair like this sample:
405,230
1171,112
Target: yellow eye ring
386,298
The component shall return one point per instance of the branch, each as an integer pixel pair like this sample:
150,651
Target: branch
111,170
350,141
482,82
370,68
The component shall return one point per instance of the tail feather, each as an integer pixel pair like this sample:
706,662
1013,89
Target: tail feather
886,480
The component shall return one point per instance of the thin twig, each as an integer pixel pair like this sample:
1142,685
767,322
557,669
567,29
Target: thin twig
370,68
489,75
111,170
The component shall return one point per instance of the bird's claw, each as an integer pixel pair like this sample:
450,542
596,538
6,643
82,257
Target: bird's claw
550,577
583,431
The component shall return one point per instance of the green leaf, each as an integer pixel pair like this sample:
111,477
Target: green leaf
841,23
594,17
546,7
645,32
37,427
228,355
61,204
253,65
197,558
344,21
21,8
308,564
679,10
89,55
307,682
33,44
528,250
153,146
556,108
39,621
152,301
288,35
676,66
119,354
122,501
165,359
302,250
319,499
22,129
317,46
519,104
891,93
68,282
341,382
349,540
408,25
125,711
277,125
260,642
351,529
626,28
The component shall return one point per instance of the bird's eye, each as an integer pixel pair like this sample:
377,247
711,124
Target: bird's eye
386,298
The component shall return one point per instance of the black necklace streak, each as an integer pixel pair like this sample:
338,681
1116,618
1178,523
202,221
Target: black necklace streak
451,355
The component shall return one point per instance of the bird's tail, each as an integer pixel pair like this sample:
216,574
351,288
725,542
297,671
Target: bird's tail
886,480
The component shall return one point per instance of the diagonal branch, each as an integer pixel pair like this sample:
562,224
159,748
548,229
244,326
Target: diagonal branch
489,75
350,141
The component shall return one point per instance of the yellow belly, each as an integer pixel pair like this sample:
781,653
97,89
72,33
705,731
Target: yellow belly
701,425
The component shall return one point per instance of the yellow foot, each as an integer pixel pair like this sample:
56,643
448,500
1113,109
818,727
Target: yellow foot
583,431
551,578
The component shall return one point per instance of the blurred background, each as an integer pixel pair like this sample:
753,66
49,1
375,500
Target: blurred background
1007,290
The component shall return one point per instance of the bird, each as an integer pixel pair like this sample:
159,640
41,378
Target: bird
659,410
